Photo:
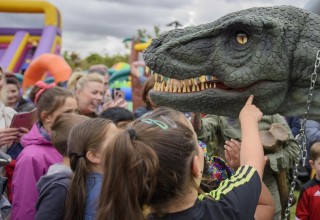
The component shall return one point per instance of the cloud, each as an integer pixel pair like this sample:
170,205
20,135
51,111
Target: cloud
101,25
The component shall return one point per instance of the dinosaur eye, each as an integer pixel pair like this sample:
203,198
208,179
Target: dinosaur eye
241,37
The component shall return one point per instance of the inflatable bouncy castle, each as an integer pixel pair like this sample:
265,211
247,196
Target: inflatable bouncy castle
37,49
19,46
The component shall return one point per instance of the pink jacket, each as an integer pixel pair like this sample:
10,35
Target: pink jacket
32,163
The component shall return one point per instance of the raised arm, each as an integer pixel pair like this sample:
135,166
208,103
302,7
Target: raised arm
251,152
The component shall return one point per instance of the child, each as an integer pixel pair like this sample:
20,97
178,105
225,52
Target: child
309,199
54,185
86,145
38,153
158,163
118,115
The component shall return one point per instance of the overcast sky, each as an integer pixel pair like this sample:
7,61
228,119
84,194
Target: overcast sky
99,26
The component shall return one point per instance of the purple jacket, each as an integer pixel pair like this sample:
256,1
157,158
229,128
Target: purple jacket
32,163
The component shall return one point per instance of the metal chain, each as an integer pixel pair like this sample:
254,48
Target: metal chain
301,137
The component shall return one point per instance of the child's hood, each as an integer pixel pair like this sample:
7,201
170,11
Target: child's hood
34,137
58,173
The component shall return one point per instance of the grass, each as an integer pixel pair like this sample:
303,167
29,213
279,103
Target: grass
293,208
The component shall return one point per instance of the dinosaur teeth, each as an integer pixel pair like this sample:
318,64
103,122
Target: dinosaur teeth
147,69
166,84
202,86
174,88
202,78
167,88
162,85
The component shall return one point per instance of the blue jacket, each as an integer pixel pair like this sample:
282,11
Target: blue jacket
53,189
94,182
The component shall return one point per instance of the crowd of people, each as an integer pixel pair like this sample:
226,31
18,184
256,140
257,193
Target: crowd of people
90,157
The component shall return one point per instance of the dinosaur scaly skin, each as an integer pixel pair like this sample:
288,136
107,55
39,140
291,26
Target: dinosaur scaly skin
213,68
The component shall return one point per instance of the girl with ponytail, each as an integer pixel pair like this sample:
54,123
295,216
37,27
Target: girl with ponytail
158,163
38,152
86,145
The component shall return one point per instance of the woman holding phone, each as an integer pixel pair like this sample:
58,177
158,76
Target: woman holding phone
7,135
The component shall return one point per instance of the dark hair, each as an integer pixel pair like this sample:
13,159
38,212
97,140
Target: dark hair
147,86
117,114
27,107
61,129
315,151
50,100
13,80
152,160
88,135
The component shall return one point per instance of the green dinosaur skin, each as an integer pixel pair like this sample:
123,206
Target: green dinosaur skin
275,64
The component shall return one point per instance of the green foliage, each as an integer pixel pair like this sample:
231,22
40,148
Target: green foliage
75,62
156,30
120,84
142,33
72,59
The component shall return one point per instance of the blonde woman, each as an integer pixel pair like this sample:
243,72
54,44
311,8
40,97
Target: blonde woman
89,91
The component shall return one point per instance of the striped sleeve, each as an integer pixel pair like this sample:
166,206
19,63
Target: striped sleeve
241,191
242,176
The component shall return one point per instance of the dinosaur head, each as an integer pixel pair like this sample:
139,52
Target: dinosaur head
213,68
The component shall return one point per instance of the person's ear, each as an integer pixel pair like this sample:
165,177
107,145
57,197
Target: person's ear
311,163
45,118
78,91
196,167
93,157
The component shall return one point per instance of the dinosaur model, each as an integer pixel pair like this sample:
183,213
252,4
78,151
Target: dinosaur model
212,68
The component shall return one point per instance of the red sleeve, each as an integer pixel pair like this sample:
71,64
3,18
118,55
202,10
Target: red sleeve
302,210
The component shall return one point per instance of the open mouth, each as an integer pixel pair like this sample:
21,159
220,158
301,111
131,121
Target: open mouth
197,84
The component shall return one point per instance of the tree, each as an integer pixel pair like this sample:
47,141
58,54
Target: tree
74,60
142,33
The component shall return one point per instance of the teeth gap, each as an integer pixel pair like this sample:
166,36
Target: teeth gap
165,84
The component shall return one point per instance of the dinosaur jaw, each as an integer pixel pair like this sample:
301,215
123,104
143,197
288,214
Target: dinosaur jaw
198,84
207,94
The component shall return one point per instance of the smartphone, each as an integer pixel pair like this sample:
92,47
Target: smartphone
118,94
24,119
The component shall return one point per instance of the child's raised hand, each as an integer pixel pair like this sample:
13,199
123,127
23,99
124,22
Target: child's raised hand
250,111
232,153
